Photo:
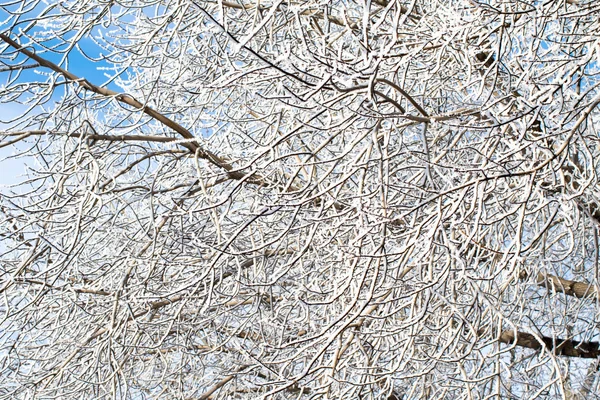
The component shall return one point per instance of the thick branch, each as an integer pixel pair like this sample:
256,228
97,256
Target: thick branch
560,347
571,288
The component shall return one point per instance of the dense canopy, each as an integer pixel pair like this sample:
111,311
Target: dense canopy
282,199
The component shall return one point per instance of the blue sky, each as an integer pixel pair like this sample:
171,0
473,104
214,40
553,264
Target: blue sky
12,169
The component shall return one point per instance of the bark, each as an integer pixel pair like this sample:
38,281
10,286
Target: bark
571,288
558,346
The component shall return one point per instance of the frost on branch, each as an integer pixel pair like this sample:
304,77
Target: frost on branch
238,199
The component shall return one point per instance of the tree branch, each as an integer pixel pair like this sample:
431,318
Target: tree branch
124,98
110,138
571,288
193,146
558,346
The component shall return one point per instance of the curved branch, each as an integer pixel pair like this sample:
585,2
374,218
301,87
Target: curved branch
405,94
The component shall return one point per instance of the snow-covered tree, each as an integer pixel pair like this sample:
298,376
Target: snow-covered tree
378,199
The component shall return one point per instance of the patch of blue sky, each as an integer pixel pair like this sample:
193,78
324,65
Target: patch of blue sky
18,108
77,51
93,58
12,166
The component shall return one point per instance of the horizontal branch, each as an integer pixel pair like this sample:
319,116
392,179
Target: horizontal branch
7,68
110,138
558,346
568,287
63,288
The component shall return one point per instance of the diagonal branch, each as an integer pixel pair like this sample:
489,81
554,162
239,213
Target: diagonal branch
84,83
192,145
221,383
